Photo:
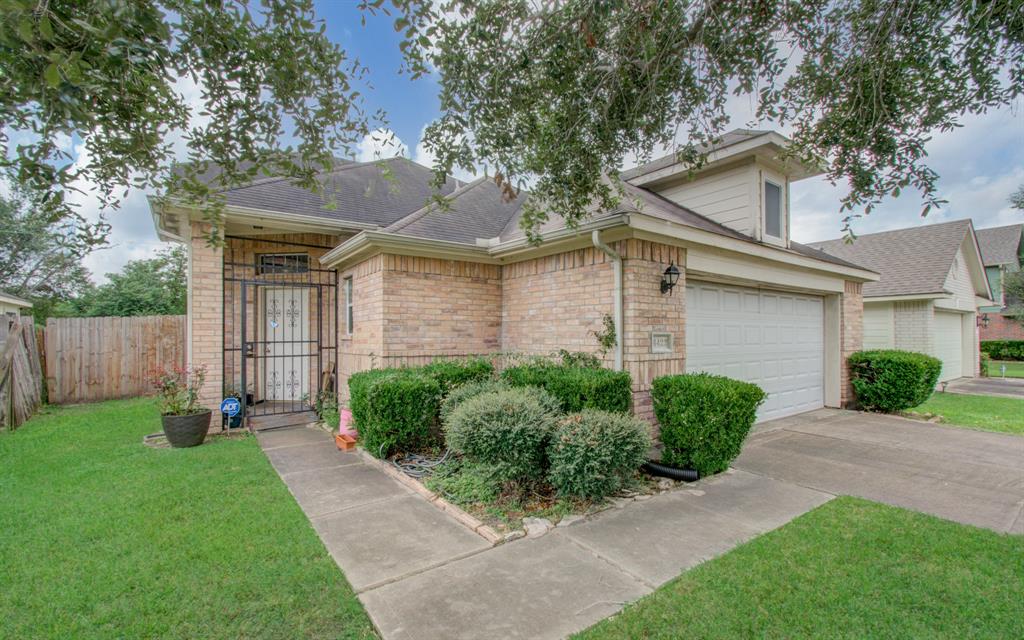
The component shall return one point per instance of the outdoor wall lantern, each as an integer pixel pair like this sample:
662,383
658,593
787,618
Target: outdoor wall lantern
982,320
669,278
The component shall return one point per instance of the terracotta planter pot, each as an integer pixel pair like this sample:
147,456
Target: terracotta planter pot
187,431
345,442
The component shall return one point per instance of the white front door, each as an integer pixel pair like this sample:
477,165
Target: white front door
287,349
949,346
774,339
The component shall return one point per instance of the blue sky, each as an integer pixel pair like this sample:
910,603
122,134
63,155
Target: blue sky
979,164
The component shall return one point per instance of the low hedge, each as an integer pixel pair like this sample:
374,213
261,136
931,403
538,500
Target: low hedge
509,430
704,419
593,452
455,373
358,390
577,388
1003,349
889,380
400,414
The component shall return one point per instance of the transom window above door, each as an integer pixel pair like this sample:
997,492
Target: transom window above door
282,263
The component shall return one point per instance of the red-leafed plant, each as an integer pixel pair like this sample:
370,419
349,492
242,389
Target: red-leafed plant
178,390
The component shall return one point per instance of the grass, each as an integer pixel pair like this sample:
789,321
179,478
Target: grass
989,413
849,569
1013,369
104,537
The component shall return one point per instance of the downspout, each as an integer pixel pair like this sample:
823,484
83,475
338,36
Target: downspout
595,238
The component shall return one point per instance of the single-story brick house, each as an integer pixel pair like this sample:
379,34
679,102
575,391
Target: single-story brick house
1002,251
932,283
378,279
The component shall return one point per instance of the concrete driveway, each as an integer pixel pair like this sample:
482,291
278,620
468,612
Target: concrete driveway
1003,387
972,477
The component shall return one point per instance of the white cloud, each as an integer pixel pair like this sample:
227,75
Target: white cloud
380,144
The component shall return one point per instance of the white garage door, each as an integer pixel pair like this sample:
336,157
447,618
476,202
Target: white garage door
771,338
949,344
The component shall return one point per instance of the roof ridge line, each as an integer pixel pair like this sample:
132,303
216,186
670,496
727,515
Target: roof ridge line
420,213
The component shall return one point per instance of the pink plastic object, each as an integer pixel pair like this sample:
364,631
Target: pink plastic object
345,427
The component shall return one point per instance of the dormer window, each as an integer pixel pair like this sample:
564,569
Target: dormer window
772,210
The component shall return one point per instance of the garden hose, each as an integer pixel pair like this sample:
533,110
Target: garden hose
416,465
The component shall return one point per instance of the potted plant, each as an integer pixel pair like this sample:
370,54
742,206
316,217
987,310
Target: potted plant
185,421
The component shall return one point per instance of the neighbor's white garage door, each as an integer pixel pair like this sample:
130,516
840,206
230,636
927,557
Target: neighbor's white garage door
949,345
771,338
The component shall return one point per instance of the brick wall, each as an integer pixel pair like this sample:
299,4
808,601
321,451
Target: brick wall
851,336
555,302
914,326
647,310
205,326
1002,327
411,311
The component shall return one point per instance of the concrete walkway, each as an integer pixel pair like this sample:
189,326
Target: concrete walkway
973,477
1000,387
421,575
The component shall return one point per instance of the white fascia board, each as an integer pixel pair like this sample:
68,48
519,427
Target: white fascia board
658,226
265,217
366,243
15,301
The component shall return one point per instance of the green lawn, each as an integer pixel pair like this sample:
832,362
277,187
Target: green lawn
989,413
103,537
1013,369
849,569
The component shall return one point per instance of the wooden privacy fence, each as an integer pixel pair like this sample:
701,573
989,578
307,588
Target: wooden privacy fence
90,359
21,378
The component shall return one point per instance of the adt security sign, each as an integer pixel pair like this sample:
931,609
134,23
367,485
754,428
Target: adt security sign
230,407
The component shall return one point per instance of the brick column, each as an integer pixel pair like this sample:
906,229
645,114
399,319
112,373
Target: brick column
645,311
205,334
851,338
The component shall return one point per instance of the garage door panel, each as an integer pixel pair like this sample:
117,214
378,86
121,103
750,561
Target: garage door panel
949,344
770,338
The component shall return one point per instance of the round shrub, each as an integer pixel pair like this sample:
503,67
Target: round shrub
509,430
890,380
577,388
460,394
704,419
401,410
593,452
358,390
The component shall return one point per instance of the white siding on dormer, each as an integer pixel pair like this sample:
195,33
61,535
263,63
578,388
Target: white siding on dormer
724,196
958,282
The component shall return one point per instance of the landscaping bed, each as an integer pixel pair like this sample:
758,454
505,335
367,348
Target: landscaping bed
546,442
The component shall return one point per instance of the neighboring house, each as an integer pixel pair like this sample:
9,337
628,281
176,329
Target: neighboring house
932,282
12,305
1002,251
377,280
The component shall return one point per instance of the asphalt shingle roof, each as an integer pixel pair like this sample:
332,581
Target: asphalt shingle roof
477,210
360,192
910,261
1000,245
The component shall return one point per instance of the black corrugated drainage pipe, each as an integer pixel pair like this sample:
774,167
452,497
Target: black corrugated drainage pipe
658,469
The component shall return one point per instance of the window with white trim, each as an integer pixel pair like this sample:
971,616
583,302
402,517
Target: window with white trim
282,263
348,305
772,210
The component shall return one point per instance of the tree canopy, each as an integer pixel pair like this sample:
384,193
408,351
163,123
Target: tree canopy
154,286
556,94
277,96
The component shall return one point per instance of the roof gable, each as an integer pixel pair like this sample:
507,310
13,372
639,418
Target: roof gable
912,261
1001,245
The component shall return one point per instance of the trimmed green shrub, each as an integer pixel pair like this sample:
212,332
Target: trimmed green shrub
401,411
888,380
460,394
509,430
593,452
1003,349
579,359
704,419
577,388
984,362
454,373
358,389
464,483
